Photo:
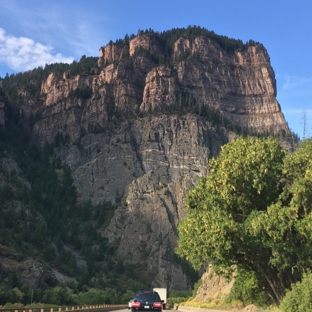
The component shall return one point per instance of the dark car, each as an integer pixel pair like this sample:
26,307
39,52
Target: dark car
146,300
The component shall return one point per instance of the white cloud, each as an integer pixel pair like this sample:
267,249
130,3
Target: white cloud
293,82
20,53
50,24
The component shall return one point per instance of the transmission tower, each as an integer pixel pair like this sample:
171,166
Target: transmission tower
304,121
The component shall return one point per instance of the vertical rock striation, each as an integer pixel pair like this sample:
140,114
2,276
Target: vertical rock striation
120,148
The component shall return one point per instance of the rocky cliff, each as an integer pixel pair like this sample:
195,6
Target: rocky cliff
151,163
240,85
123,148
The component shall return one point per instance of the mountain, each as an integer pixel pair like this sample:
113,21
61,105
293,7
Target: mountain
135,128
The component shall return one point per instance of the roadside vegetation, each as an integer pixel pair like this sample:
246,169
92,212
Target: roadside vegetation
252,215
43,218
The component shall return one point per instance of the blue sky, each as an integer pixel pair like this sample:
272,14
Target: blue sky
36,32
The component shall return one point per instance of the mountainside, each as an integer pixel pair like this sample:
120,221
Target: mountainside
138,126
240,85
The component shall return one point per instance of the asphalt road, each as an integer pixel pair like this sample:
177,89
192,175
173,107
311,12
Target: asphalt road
184,309
190,309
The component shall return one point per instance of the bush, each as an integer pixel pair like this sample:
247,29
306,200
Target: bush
173,301
196,286
299,298
247,289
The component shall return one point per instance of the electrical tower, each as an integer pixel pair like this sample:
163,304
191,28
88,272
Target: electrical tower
304,121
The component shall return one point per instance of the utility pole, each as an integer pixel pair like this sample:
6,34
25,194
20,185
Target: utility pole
304,121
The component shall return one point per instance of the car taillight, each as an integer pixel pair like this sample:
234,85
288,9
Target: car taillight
157,305
135,304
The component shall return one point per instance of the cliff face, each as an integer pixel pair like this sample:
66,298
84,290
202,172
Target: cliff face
151,162
241,85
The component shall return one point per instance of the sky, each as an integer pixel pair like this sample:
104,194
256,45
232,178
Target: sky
38,32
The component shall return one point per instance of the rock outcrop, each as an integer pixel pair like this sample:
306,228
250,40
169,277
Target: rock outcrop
211,285
152,164
121,150
28,271
240,85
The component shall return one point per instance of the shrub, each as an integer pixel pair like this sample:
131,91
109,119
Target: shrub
196,286
299,298
247,289
173,301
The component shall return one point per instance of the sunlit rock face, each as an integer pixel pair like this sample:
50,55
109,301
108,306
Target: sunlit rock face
240,85
120,150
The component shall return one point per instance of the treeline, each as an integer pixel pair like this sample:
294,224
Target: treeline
41,215
82,93
187,104
25,86
228,44
178,296
60,296
70,295
166,39
169,37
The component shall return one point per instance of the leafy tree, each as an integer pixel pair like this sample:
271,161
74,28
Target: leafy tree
128,295
247,289
253,210
196,286
180,293
299,298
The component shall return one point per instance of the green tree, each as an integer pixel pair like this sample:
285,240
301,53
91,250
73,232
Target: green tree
128,295
299,298
247,289
253,210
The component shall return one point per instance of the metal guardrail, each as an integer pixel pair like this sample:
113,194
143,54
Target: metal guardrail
66,308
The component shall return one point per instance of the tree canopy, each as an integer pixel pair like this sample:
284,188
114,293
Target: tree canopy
253,211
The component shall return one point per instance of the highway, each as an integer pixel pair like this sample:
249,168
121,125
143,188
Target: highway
184,309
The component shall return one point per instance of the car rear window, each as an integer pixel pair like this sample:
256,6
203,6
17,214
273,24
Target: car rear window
147,297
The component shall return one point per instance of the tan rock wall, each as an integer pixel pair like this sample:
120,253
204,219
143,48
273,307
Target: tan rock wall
144,41
152,162
111,52
241,85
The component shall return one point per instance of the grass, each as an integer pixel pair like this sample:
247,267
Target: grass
218,302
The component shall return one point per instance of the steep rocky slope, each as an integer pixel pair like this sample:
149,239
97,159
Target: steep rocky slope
151,163
241,85
211,285
122,147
